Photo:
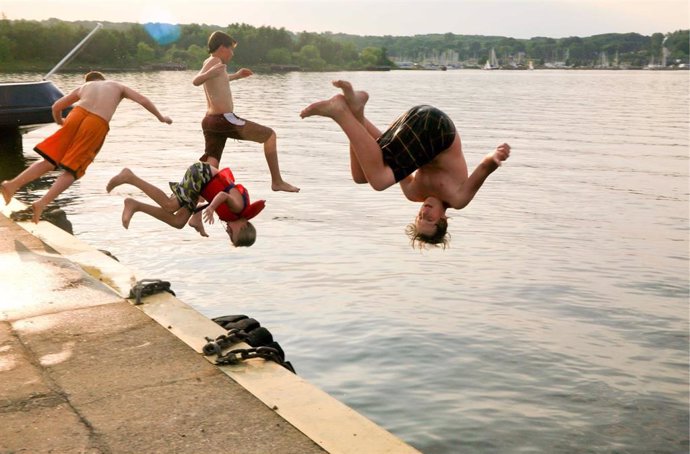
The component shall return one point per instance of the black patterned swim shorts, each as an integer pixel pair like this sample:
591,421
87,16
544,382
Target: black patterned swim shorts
415,139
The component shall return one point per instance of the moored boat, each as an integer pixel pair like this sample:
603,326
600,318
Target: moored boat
28,105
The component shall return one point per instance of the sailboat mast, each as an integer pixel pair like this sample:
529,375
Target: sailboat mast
73,52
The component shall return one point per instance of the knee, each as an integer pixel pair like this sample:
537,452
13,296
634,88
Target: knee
379,185
179,222
271,137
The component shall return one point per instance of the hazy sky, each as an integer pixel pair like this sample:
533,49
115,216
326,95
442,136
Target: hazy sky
513,18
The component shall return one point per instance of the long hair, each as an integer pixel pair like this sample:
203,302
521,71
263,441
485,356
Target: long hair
440,238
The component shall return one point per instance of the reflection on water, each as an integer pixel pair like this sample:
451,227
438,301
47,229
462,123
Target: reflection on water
557,322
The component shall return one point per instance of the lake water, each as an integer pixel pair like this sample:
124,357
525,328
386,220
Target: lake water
557,321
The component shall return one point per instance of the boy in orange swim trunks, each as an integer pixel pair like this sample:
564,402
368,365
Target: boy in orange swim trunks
74,146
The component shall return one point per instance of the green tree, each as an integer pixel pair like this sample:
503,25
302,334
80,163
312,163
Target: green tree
145,53
5,49
279,56
309,57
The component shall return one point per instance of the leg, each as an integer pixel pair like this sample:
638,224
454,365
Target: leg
178,219
271,153
126,176
34,171
364,146
356,100
63,182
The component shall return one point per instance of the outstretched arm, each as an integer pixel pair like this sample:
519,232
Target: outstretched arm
489,164
145,103
241,74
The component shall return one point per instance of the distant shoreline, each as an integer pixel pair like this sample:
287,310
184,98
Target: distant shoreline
268,70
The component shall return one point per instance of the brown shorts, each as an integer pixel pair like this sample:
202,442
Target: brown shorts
218,128
74,146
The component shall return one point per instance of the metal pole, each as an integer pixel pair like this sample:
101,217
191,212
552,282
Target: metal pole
76,49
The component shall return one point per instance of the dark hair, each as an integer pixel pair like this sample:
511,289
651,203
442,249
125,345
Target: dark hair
93,75
440,238
219,38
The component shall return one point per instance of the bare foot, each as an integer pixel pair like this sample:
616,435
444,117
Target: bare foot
197,224
331,108
7,192
284,186
356,100
128,211
120,178
37,209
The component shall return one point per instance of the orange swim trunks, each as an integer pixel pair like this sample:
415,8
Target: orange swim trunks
74,146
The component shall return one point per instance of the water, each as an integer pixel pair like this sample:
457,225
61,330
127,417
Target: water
557,322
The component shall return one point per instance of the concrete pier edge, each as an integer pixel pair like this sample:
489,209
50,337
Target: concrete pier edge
329,423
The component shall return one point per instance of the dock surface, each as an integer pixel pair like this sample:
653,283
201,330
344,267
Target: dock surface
84,370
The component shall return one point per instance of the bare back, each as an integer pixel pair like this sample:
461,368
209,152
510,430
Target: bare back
101,97
217,89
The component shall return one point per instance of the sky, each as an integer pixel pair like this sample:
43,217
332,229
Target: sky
512,18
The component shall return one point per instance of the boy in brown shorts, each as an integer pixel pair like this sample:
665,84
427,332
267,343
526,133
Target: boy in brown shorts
421,150
220,123
74,146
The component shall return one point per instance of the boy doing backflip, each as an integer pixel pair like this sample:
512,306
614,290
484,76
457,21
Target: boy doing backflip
74,146
421,150
229,200
220,123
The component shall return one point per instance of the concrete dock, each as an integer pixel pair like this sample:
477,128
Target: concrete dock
84,370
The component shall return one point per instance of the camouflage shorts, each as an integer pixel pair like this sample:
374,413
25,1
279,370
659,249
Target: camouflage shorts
188,190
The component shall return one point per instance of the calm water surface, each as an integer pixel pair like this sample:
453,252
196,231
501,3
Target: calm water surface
557,322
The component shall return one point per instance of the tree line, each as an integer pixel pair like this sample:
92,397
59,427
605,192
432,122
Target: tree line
38,45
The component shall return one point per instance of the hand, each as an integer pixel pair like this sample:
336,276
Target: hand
244,72
501,154
208,215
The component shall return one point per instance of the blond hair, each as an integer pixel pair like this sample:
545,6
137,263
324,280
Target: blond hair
440,238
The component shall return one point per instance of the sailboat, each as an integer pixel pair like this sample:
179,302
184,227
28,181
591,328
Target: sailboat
492,62
25,106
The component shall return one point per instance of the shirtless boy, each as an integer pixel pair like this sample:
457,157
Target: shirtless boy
421,150
220,123
229,200
74,146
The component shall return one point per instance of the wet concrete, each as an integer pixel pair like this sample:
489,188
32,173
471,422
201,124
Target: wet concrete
82,370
